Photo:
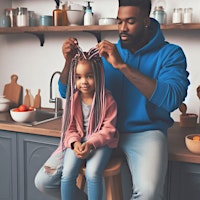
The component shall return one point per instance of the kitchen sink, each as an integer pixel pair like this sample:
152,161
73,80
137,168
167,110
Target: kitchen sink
41,116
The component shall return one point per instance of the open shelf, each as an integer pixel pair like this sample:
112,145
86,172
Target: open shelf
96,30
191,26
39,31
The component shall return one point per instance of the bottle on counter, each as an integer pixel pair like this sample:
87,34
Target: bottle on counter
22,17
88,16
57,15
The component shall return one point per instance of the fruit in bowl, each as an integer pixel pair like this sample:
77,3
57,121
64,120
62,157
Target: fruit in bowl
192,142
23,113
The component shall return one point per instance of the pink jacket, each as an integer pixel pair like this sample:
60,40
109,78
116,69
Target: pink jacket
108,134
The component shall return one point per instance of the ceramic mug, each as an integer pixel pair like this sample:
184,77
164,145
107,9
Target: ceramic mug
5,21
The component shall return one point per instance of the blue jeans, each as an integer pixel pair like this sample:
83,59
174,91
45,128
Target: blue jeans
50,182
146,154
147,158
95,164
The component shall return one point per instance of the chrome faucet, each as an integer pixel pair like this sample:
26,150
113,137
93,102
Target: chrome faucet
56,100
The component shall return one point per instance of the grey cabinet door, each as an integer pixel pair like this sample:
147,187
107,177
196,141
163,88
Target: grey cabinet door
33,151
185,181
8,166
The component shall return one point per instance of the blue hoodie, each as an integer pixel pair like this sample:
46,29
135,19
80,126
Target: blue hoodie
164,62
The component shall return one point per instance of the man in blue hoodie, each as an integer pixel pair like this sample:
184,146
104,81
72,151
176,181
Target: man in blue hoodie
148,79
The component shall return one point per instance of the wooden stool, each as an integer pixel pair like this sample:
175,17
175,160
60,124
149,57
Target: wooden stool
111,176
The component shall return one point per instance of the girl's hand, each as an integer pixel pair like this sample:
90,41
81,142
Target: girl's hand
83,150
77,148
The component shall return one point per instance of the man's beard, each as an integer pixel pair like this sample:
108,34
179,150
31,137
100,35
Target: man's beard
128,43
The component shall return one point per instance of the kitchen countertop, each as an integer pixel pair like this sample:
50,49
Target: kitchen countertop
176,142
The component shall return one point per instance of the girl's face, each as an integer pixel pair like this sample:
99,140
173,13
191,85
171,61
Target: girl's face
85,78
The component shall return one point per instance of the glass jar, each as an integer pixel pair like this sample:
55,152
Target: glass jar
177,16
159,14
32,18
11,12
22,17
187,16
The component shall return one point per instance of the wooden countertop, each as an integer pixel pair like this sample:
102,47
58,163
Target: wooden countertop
51,128
176,137
176,144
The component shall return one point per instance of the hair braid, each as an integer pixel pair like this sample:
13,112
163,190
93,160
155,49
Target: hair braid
97,112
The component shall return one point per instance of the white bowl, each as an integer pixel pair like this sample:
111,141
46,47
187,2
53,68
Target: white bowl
107,21
4,104
75,17
191,144
25,116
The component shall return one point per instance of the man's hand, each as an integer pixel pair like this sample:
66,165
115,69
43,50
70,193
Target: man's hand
69,48
110,53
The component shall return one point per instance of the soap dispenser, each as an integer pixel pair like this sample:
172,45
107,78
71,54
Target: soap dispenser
88,16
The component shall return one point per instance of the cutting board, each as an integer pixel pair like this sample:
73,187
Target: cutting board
37,102
13,91
27,101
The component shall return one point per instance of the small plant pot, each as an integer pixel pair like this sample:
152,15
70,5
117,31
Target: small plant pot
188,120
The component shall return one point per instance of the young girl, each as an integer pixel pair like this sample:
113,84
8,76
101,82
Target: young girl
88,129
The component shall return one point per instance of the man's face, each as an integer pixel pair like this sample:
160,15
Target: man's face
131,25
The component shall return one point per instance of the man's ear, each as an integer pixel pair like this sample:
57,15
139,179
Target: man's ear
147,22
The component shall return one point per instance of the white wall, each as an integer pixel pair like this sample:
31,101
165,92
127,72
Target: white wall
22,54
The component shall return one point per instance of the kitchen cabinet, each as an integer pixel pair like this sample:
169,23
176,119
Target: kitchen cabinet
21,157
96,30
184,181
8,166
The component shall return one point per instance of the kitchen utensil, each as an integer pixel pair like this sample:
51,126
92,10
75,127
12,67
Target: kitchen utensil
183,108
27,101
31,98
187,119
37,102
13,91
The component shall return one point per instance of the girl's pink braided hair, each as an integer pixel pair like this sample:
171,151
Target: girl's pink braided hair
97,112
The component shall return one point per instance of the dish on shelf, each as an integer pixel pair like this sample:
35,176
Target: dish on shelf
107,21
75,17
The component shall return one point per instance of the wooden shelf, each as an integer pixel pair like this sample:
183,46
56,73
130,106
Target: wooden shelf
40,30
96,30
44,29
191,26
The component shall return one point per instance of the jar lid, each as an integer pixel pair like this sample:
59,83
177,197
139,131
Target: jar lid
159,8
22,9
